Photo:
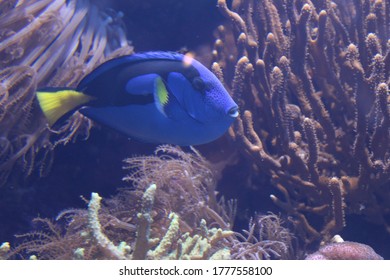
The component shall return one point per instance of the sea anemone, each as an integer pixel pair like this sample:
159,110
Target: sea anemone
47,43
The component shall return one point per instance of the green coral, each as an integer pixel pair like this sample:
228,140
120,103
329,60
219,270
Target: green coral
172,245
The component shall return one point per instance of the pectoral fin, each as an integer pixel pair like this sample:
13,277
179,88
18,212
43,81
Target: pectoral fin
161,95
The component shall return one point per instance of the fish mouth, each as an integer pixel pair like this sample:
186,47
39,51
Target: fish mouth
233,112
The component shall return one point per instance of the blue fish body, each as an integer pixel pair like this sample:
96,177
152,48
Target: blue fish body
158,97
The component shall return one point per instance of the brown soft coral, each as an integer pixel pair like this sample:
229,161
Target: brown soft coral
314,106
47,43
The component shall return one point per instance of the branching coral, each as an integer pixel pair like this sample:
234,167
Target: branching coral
47,43
172,245
312,80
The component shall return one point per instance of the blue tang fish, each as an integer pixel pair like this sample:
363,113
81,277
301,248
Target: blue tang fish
157,97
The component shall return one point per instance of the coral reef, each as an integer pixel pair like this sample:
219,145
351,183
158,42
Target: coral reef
42,44
185,246
171,213
312,81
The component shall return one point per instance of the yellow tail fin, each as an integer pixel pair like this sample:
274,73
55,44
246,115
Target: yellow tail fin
55,104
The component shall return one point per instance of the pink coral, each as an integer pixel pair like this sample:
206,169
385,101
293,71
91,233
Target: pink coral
345,251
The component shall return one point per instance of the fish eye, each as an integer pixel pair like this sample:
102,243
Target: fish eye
198,84
233,112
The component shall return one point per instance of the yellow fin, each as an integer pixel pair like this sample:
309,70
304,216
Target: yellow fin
56,104
162,92
161,95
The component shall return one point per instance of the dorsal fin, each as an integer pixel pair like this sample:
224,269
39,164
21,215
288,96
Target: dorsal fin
128,60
